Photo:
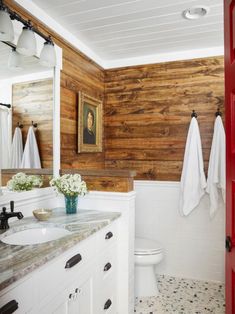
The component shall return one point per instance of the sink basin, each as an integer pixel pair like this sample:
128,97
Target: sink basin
35,236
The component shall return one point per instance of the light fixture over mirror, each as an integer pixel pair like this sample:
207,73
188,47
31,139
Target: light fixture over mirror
26,44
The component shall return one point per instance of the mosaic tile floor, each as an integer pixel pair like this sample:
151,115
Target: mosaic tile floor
183,296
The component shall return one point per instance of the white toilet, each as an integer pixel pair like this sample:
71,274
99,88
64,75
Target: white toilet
148,254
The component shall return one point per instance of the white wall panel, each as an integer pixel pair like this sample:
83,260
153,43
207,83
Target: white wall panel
193,245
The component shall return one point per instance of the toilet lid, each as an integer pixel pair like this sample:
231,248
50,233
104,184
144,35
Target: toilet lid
147,246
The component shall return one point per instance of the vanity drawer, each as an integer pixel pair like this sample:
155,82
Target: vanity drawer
106,268
20,296
107,236
105,301
53,277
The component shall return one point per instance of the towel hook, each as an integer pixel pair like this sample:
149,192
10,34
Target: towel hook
20,125
218,112
35,125
193,114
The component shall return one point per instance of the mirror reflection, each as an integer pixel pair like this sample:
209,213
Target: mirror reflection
26,112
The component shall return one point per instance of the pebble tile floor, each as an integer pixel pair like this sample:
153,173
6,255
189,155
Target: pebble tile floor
183,296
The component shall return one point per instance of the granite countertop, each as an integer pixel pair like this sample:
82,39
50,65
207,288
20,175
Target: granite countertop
16,261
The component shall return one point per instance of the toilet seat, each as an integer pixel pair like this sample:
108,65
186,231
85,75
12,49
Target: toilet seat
147,247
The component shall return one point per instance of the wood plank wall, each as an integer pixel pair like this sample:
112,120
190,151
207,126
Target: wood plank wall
79,74
147,114
33,101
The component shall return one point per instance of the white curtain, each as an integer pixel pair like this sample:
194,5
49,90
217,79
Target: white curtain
4,139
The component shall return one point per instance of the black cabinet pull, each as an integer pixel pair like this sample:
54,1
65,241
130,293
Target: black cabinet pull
9,308
107,267
109,235
73,261
107,305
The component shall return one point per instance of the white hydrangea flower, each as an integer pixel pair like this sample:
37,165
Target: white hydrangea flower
69,185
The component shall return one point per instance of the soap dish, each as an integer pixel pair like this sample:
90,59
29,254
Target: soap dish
42,214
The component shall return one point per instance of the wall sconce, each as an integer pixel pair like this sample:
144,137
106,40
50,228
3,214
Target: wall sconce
26,44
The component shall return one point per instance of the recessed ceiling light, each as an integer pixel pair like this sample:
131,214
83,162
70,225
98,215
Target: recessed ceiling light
195,12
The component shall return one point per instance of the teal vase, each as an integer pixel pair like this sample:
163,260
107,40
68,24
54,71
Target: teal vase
71,203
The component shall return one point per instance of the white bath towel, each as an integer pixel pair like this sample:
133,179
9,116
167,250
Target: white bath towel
216,171
193,181
17,149
31,158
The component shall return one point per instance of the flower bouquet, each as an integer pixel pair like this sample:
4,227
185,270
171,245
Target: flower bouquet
71,186
24,182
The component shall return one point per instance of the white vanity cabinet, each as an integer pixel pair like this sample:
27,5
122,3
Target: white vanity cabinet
82,280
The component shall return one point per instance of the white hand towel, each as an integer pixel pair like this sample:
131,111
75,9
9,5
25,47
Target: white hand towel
193,181
216,171
31,158
17,149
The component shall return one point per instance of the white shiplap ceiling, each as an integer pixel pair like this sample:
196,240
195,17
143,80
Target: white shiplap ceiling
118,31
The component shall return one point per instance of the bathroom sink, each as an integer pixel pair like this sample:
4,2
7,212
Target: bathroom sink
35,236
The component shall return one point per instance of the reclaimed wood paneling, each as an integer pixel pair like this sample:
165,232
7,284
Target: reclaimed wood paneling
106,180
33,101
147,114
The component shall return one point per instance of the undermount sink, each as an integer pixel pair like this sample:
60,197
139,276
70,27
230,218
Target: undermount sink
35,236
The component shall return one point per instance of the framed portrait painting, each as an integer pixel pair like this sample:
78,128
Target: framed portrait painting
90,125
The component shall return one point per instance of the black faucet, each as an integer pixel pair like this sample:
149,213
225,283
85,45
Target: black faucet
4,216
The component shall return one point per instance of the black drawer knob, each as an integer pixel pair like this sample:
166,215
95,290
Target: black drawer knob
73,261
107,305
108,235
107,266
9,308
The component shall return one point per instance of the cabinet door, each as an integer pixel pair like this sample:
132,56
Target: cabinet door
58,305
80,301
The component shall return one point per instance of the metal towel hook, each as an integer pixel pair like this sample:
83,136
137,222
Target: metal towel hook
194,114
20,125
218,112
35,125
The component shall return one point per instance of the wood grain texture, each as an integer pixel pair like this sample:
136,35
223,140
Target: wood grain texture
33,101
106,180
147,114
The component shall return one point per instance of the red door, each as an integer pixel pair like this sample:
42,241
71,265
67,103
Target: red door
229,43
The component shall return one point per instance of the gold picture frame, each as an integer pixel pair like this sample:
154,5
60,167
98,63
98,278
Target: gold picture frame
90,124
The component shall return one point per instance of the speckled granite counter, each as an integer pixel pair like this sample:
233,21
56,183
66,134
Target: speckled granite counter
17,261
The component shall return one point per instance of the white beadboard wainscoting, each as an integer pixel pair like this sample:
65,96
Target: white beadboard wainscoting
193,245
